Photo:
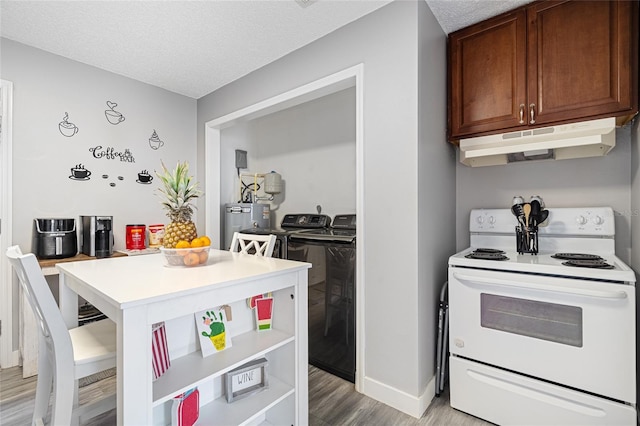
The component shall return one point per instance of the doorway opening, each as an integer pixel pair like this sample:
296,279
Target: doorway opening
351,77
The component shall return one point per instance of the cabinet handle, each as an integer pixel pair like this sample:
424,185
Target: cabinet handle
532,112
521,113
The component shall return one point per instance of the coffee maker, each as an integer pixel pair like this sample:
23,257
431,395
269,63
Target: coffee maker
96,235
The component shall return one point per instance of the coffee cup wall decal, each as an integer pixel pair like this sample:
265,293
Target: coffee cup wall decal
79,172
154,141
144,177
67,128
113,116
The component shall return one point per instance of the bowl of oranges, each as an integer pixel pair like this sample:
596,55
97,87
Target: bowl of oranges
187,253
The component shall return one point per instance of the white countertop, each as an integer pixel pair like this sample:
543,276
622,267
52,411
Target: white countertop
135,280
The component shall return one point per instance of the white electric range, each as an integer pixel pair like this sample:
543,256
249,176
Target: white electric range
534,340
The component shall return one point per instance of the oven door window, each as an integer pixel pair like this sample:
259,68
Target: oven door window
540,320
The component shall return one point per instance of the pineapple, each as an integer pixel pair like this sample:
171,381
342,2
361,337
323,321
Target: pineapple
178,192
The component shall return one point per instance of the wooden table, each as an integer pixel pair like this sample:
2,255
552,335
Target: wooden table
138,291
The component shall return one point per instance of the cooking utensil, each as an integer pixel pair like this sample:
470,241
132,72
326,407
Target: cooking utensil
538,199
517,210
544,214
535,212
527,211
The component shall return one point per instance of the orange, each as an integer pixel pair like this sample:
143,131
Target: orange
183,244
204,255
191,259
197,242
206,240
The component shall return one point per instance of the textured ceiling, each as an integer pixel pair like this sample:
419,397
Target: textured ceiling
196,47
456,14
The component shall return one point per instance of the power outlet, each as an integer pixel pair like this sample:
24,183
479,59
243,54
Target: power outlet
241,159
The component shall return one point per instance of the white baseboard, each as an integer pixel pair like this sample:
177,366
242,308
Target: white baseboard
13,361
414,406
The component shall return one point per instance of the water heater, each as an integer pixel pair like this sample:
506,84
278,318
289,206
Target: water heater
241,216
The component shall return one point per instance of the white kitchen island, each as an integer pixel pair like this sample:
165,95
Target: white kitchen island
139,291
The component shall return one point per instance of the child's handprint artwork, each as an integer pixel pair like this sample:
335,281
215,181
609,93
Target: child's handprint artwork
212,331
216,330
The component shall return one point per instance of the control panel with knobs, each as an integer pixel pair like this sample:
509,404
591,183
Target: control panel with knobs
596,220
565,221
490,220
485,220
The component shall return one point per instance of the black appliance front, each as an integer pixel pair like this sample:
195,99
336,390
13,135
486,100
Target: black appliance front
290,224
54,238
331,299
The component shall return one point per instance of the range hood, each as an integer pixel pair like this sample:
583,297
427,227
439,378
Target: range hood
575,140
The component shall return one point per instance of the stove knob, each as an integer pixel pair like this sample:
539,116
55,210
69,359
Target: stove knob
598,220
492,220
480,220
581,220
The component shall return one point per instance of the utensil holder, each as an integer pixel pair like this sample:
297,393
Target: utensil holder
527,239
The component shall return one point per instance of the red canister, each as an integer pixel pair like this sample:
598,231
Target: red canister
135,238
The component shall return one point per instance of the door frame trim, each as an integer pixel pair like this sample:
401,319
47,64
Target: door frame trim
8,356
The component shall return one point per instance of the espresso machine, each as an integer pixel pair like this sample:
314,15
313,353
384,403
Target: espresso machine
96,235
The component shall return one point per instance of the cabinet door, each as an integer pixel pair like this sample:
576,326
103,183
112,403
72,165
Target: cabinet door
488,75
581,60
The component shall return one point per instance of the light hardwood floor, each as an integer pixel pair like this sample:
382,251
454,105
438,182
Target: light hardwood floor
332,401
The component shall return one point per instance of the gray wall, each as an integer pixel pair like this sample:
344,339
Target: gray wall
584,182
298,143
47,86
405,170
436,177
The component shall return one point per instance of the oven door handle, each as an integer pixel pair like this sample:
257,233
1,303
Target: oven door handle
543,287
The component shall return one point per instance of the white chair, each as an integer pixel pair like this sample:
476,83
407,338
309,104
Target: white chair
64,356
261,245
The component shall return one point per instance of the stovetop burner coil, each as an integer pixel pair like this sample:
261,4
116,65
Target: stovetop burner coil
488,250
487,255
594,263
576,256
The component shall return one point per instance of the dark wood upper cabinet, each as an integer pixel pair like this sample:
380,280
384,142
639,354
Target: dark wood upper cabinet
546,63
487,65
